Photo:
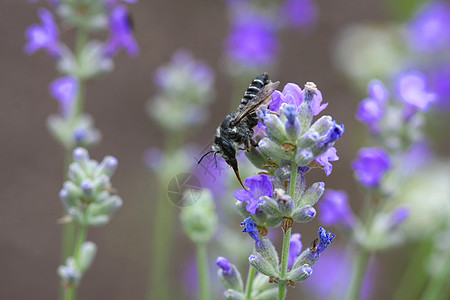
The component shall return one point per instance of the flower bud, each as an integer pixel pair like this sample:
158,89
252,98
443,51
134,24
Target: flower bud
106,207
305,115
229,276
275,128
108,166
87,254
80,155
262,265
292,125
98,220
268,251
274,150
242,208
304,157
273,222
285,204
76,173
304,214
257,157
69,272
312,195
88,190
300,274
76,215
269,294
270,206
233,295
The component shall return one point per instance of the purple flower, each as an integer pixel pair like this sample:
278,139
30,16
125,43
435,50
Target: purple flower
411,88
430,30
332,275
251,228
325,239
65,90
335,210
325,158
371,165
252,42
294,95
43,36
121,33
258,186
223,263
440,83
295,248
371,110
399,215
299,13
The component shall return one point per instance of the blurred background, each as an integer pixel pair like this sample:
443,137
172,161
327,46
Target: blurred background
31,162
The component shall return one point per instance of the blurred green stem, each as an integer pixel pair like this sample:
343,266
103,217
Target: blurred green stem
162,238
249,284
359,271
202,269
414,276
438,281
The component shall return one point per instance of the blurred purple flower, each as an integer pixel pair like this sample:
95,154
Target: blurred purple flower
153,158
332,275
211,176
411,88
251,228
371,110
43,36
299,13
335,210
295,248
121,33
371,165
252,42
65,90
416,157
166,77
430,30
325,158
399,216
440,84
259,186
293,94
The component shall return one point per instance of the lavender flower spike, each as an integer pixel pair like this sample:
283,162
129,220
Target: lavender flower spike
121,35
45,36
371,165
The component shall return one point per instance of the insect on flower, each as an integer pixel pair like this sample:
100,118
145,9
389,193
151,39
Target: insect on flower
237,128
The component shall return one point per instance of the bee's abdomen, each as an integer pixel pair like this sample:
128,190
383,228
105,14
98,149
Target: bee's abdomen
257,84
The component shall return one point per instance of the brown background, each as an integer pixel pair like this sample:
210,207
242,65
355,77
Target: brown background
31,162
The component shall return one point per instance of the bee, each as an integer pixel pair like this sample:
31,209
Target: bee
237,128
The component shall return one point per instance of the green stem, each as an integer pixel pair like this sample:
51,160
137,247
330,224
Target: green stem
414,276
438,281
203,274
162,238
359,271
249,284
287,239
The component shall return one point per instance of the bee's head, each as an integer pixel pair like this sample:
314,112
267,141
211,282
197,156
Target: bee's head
225,149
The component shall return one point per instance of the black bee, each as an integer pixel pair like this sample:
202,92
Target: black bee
237,128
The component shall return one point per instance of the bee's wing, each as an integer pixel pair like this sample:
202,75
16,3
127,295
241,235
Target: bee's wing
261,98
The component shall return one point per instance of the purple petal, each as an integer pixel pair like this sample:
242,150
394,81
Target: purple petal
65,90
411,88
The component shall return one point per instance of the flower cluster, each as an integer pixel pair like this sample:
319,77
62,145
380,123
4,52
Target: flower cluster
87,199
289,144
86,195
185,88
90,59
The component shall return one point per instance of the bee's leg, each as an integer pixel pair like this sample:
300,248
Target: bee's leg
254,143
274,112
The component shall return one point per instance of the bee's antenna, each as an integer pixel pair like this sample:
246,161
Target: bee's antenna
215,158
207,154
